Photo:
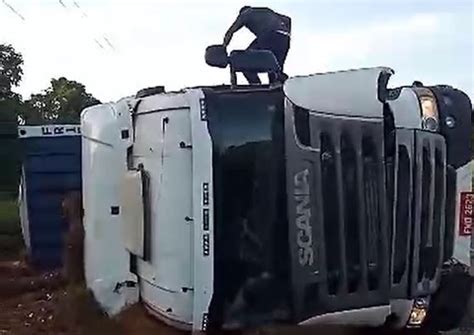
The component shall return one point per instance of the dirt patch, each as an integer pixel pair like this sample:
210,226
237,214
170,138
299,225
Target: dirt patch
33,302
57,302
13,284
137,321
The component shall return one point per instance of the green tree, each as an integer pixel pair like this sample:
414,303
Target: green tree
11,72
62,102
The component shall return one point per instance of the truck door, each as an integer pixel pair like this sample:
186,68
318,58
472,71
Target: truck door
164,149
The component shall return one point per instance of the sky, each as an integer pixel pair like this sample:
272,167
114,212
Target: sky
116,47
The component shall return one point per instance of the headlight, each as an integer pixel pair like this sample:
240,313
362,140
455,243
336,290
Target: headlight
429,109
418,313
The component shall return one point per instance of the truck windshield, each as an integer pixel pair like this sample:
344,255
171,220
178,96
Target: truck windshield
251,251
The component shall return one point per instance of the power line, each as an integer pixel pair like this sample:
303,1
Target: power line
86,16
13,10
80,9
99,41
109,43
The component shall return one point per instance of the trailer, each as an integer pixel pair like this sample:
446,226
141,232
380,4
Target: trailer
51,168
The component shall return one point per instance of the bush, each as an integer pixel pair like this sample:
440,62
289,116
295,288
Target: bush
9,217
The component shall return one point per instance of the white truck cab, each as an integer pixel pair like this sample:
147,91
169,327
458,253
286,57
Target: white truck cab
329,198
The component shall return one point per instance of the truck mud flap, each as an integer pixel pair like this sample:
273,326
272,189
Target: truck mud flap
337,212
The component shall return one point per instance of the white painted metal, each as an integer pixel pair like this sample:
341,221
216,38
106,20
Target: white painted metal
166,279
174,146
402,308
406,109
367,317
132,211
50,130
106,260
162,102
372,316
156,300
351,93
203,278
462,244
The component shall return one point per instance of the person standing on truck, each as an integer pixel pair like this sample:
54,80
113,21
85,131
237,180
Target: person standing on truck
272,31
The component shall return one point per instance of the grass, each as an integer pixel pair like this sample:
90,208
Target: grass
11,240
9,217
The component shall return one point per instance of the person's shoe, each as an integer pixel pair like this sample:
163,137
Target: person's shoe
283,77
278,78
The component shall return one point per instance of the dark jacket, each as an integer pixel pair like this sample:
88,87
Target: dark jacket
262,20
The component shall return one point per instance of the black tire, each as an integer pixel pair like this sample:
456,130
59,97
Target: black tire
450,303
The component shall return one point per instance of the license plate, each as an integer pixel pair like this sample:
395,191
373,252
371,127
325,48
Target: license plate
465,216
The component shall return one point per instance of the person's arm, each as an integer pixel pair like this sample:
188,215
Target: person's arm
236,26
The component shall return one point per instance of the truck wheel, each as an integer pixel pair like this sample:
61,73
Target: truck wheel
450,303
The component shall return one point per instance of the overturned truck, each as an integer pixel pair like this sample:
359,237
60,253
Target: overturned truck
328,198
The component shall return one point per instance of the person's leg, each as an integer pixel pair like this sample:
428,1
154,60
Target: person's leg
283,53
284,48
252,77
279,45
282,45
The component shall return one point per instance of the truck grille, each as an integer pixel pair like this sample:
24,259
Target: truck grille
419,213
429,212
402,212
343,161
373,224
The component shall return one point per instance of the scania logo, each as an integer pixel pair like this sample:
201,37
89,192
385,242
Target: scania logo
304,236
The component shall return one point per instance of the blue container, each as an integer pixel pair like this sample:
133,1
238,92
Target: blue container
51,169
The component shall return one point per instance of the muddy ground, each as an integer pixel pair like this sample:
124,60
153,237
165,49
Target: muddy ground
41,303
34,302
